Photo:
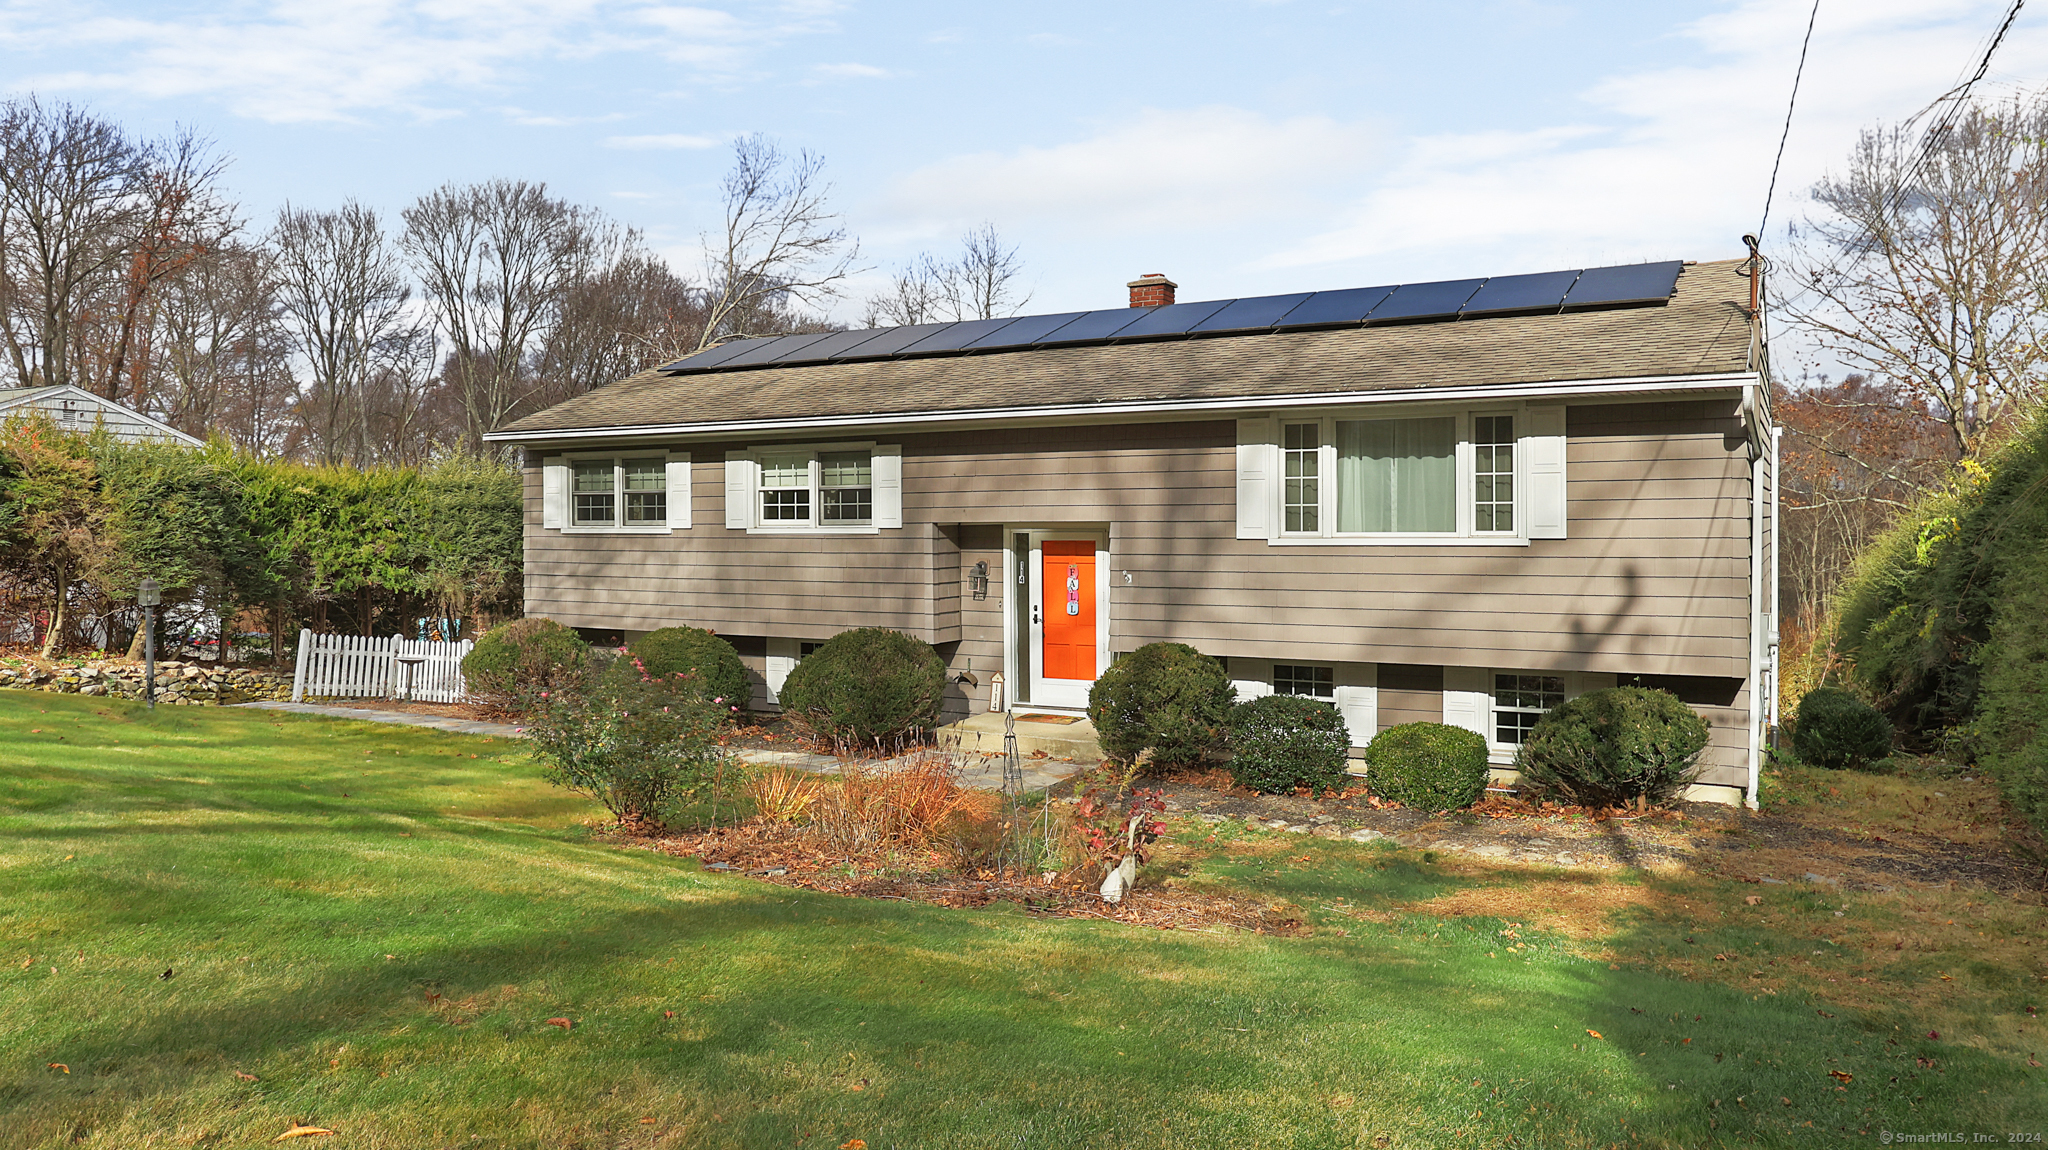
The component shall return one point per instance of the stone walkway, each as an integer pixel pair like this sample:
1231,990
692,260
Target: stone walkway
976,771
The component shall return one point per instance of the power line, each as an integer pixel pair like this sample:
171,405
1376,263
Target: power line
1787,133
1957,99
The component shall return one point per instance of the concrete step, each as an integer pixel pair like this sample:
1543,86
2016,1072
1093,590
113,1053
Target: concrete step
984,734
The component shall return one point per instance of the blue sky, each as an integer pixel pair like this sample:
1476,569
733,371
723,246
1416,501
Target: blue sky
1240,146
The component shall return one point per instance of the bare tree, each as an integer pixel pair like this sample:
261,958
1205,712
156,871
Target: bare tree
1928,270
69,186
981,283
496,260
224,358
347,306
625,314
782,246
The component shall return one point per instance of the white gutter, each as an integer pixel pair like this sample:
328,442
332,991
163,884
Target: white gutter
1629,385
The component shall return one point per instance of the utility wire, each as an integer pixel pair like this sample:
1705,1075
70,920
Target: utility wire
1789,105
1957,99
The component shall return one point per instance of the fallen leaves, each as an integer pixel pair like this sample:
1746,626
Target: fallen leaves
564,1023
1594,1033
245,1076
60,1066
854,1144
1842,1077
1754,899
298,1131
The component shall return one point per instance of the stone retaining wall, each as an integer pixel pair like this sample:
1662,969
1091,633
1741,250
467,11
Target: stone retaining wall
177,684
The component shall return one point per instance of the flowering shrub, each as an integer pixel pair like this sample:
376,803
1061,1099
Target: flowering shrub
695,660
629,742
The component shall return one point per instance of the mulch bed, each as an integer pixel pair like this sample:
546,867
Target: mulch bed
777,854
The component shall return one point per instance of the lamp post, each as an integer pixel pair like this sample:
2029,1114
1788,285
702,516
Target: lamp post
148,594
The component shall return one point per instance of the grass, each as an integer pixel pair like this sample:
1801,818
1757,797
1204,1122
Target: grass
371,927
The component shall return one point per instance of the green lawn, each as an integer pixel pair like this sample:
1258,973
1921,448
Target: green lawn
370,928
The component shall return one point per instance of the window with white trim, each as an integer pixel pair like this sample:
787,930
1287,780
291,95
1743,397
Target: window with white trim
1432,474
1519,701
826,487
1305,679
620,492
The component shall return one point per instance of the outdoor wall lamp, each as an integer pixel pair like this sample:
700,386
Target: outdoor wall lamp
977,580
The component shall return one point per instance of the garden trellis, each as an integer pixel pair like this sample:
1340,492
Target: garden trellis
362,666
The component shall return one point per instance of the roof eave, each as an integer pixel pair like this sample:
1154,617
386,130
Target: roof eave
1097,411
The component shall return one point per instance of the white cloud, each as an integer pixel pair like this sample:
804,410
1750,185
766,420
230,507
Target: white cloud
1163,170
1671,161
671,140
288,61
850,71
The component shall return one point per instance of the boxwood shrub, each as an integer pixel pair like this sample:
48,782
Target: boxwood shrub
715,673
866,686
1428,766
1282,742
1167,698
1615,748
513,663
1836,729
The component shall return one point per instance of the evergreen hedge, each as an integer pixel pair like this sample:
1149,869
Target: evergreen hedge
1615,748
1428,766
1838,730
715,672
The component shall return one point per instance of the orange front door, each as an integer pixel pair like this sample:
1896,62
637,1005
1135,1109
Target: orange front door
1068,583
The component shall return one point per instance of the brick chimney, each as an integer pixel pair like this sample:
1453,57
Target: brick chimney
1153,290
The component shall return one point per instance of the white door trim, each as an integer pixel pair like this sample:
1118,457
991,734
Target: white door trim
1050,694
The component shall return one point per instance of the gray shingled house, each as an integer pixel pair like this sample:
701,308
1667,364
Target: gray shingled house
1461,502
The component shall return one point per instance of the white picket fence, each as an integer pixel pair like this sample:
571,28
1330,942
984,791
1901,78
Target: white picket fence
359,666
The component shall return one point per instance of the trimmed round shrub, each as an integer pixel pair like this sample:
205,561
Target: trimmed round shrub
1617,747
1282,742
716,673
512,663
1428,766
1838,730
1167,698
867,685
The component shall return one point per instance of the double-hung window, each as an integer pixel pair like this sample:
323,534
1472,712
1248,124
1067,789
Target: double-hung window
620,493
1520,700
1424,476
832,487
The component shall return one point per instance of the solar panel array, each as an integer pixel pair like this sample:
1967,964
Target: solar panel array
1541,293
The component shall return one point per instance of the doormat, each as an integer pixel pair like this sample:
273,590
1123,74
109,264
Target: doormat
1061,719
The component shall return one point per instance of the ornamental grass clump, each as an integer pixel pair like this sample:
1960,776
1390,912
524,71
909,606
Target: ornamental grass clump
1166,698
1624,746
708,665
630,743
1835,729
513,664
1428,766
1281,743
866,688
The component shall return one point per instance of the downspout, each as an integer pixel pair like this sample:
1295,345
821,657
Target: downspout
1777,568
1752,416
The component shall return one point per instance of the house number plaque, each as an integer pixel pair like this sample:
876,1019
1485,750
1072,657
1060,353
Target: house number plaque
1073,589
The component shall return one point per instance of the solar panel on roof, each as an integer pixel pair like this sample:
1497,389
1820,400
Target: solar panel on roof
1251,314
1096,325
892,340
960,335
1630,283
712,356
1425,300
1026,330
1349,305
775,349
1542,291
837,344
1172,319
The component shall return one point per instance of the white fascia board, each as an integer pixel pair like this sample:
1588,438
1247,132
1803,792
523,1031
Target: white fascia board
1106,412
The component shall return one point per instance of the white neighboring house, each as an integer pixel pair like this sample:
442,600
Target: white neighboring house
76,409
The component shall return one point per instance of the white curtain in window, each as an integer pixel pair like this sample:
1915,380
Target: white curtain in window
1397,474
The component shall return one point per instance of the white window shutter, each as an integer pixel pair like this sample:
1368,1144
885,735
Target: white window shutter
1360,707
1468,700
1255,499
678,489
782,656
742,473
1544,449
554,492
888,490
1249,689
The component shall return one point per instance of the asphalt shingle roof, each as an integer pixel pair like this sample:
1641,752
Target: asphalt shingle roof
1704,329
